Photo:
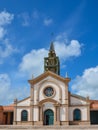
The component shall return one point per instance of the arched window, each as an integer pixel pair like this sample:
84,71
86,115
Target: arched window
24,115
77,115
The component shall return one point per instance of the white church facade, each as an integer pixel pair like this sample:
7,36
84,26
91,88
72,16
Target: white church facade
50,102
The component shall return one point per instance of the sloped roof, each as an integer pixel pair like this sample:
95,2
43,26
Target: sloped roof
94,104
48,73
8,108
23,99
79,97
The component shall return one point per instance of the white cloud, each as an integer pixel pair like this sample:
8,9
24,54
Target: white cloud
25,19
8,93
5,18
29,19
4,87
35,14
33,62
6,50
65,51
87,84
48,21
2,32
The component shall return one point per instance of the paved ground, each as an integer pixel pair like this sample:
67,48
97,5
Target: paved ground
13,127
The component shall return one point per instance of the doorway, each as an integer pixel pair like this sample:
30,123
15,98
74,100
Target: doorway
94,117
48,117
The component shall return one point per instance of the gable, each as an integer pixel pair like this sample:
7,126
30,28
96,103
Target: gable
24,102
45,75
77,100
49,80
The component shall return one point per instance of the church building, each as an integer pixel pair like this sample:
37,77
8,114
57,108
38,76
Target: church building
50,102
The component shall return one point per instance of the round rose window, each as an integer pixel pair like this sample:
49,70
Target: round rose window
48,91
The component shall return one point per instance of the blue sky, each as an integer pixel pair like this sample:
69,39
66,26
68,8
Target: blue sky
25,37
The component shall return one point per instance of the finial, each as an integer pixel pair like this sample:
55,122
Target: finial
15,100
66,75
87,97
32,76
52,47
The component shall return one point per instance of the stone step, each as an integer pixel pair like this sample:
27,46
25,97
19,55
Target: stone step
75,127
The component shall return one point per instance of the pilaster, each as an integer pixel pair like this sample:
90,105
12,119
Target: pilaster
57,114
67,115
32,95
40,113
88,110
31,103
15,112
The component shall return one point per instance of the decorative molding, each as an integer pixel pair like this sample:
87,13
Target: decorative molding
78,105
48,100
87,122
49,81
48,73
64,122
51,95
23,107
23,100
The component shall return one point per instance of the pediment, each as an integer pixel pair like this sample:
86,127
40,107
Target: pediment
45,75
24,102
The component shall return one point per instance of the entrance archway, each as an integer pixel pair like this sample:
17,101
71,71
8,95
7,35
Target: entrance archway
48,117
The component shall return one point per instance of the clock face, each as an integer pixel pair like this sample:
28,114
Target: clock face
48,91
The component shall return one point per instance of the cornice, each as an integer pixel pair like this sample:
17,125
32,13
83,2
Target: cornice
48,73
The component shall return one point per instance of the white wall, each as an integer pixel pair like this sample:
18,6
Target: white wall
76,101
48,105
60,89
25,102
56,84
56,91
83,110
19,110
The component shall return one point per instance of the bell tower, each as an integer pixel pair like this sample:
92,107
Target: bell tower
51,62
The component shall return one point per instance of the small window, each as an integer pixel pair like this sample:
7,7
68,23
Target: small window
24,115
48,91
77,115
